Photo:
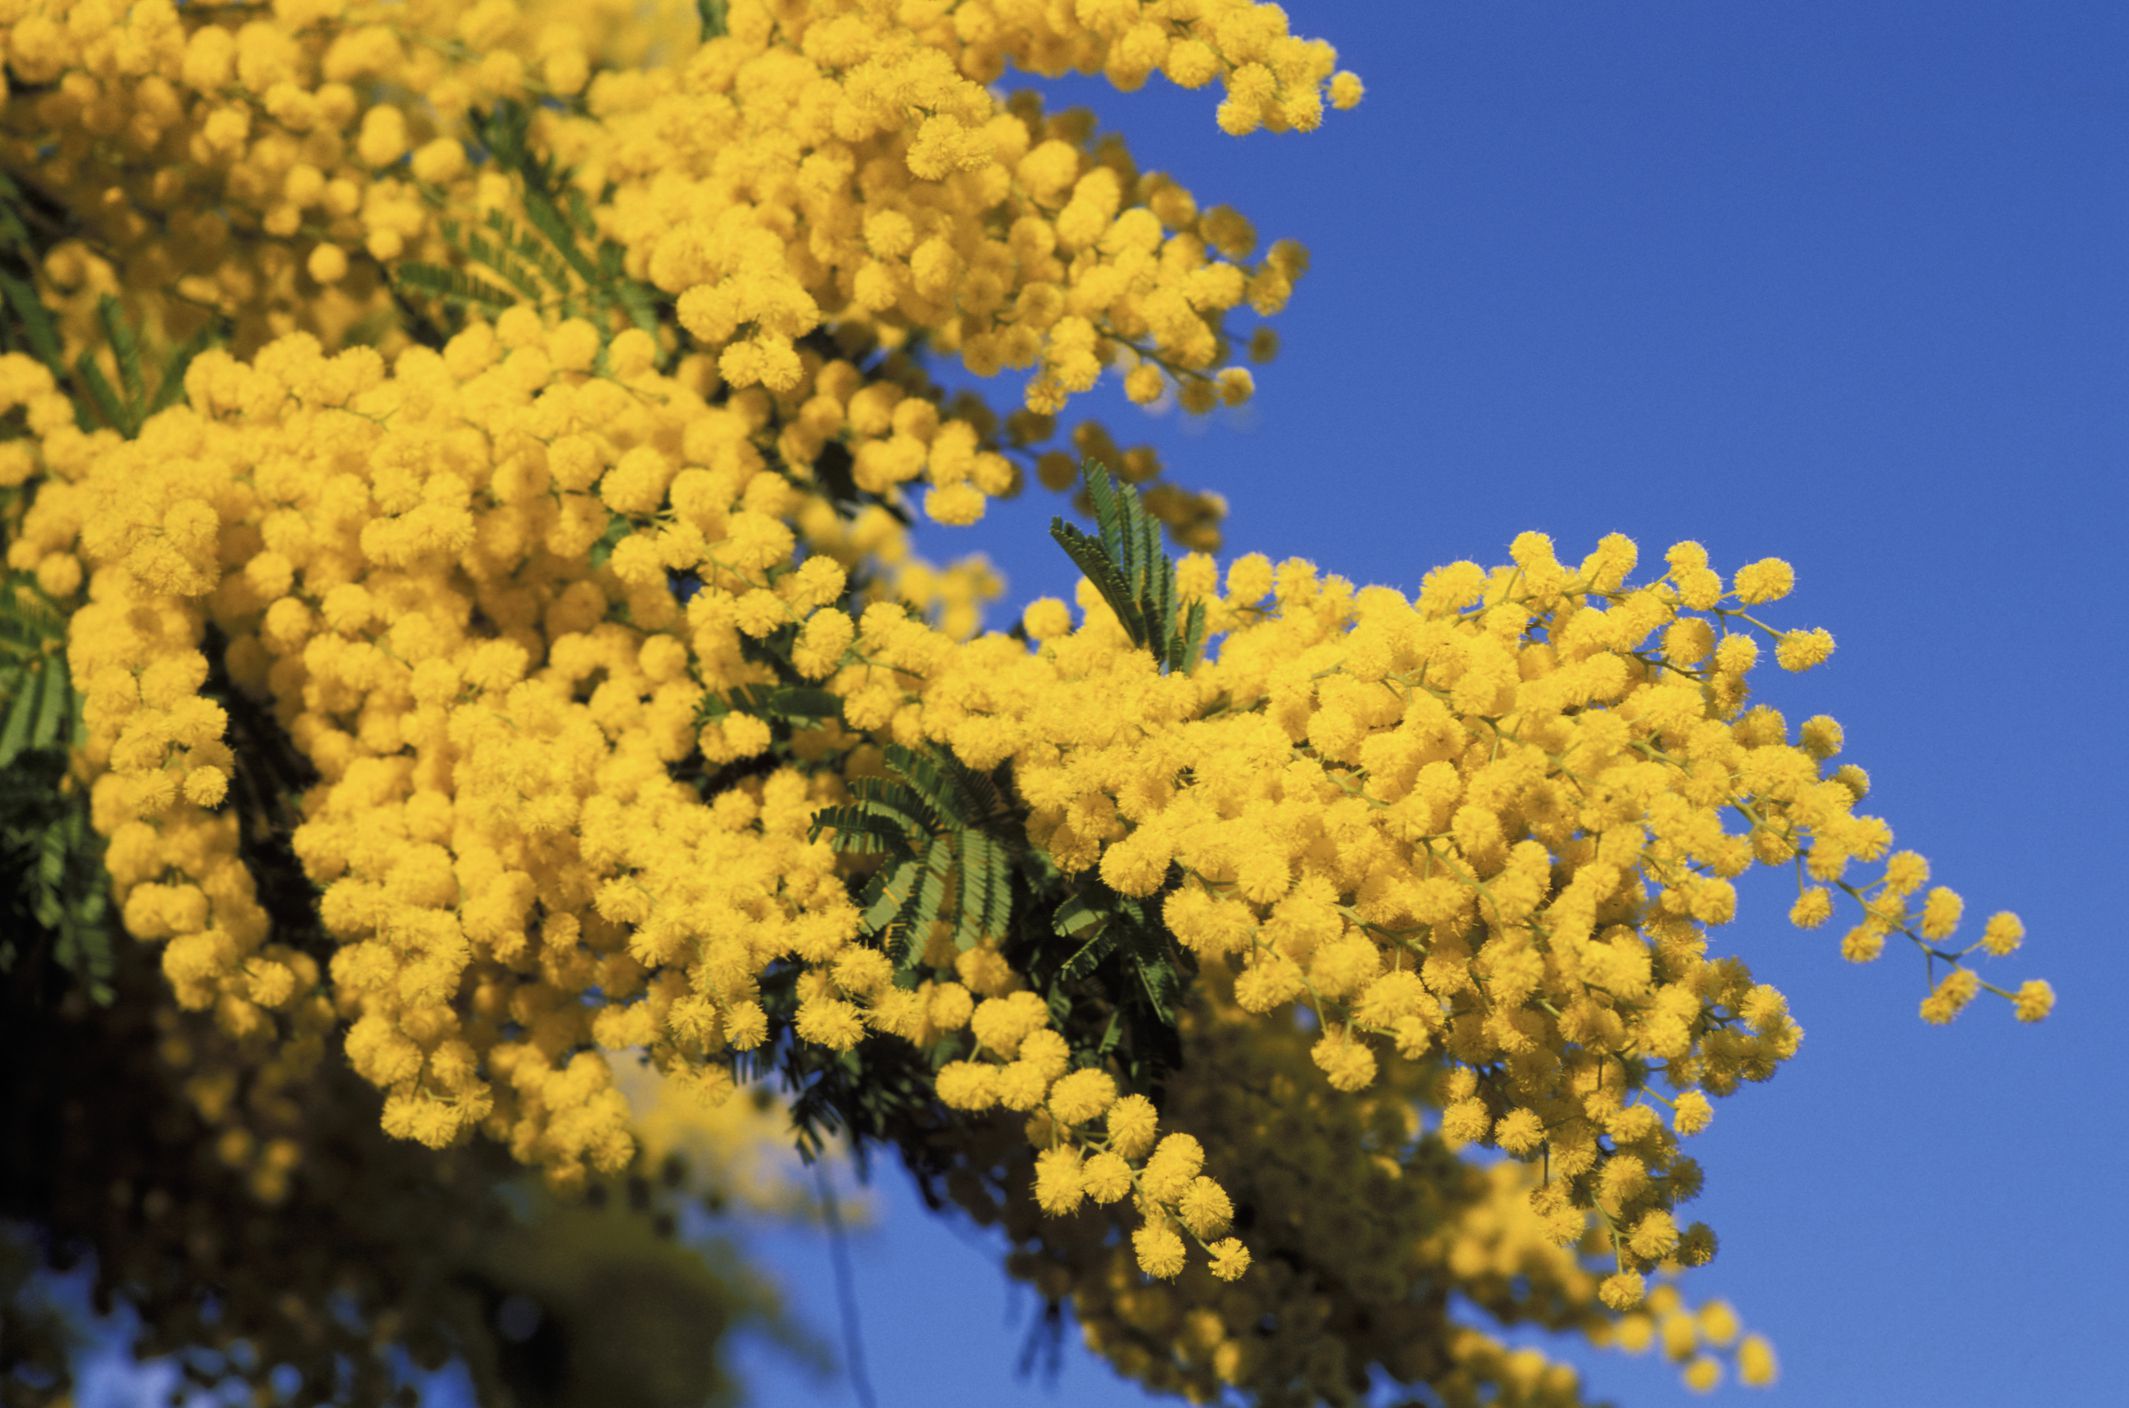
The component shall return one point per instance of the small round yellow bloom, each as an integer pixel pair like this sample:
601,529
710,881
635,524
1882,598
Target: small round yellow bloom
1812,908
956,505
1060,1184
1205,1208
1107,1177
2002,934
327,264
1131,1124
1082,1096
1756,1367
1144,384
1348,1063
1159,1250
1769,579
205,787
1802,650
2035,1000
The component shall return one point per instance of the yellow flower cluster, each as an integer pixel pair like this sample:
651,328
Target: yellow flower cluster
242,160
1364,1225
1096,1146
489,791
512,873
1696,1340
1485,822
268,164
518,607
839,162
1496,822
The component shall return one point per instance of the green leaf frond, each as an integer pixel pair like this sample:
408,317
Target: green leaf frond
1135,576
54,903
548,255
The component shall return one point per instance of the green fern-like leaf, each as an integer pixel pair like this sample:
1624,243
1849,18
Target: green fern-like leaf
529,247
998,889
1152,961
955,790
103,398
928,905
860,831
789,703
1099,943
938,825
1125,563
32,322
478,249
37,704
975,867
53,893
889,797
885,895
453,288
549,255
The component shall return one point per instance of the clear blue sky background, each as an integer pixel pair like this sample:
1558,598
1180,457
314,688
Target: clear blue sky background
1843,282
1846,283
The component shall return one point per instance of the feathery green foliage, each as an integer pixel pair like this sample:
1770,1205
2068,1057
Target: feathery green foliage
1127,565
28,326
549,256
940,827
37,702
54,906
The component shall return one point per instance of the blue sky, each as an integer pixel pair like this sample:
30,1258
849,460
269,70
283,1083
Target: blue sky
1844,283
1841,283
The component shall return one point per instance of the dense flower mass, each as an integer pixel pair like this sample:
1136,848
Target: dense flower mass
502,658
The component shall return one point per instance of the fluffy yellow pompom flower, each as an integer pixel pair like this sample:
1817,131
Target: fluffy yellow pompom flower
2035,1000
1230,1259
968,1085
1106,1177
1046,618
2002,934
1622,1290
1801,650
1519,1132
1131,1125
1205,1208
1060,1182
1941,910
327,264
205,787
1769,579
1144,384
1812,908
1082,1096
1159,1250
1168,1173
1349,1064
